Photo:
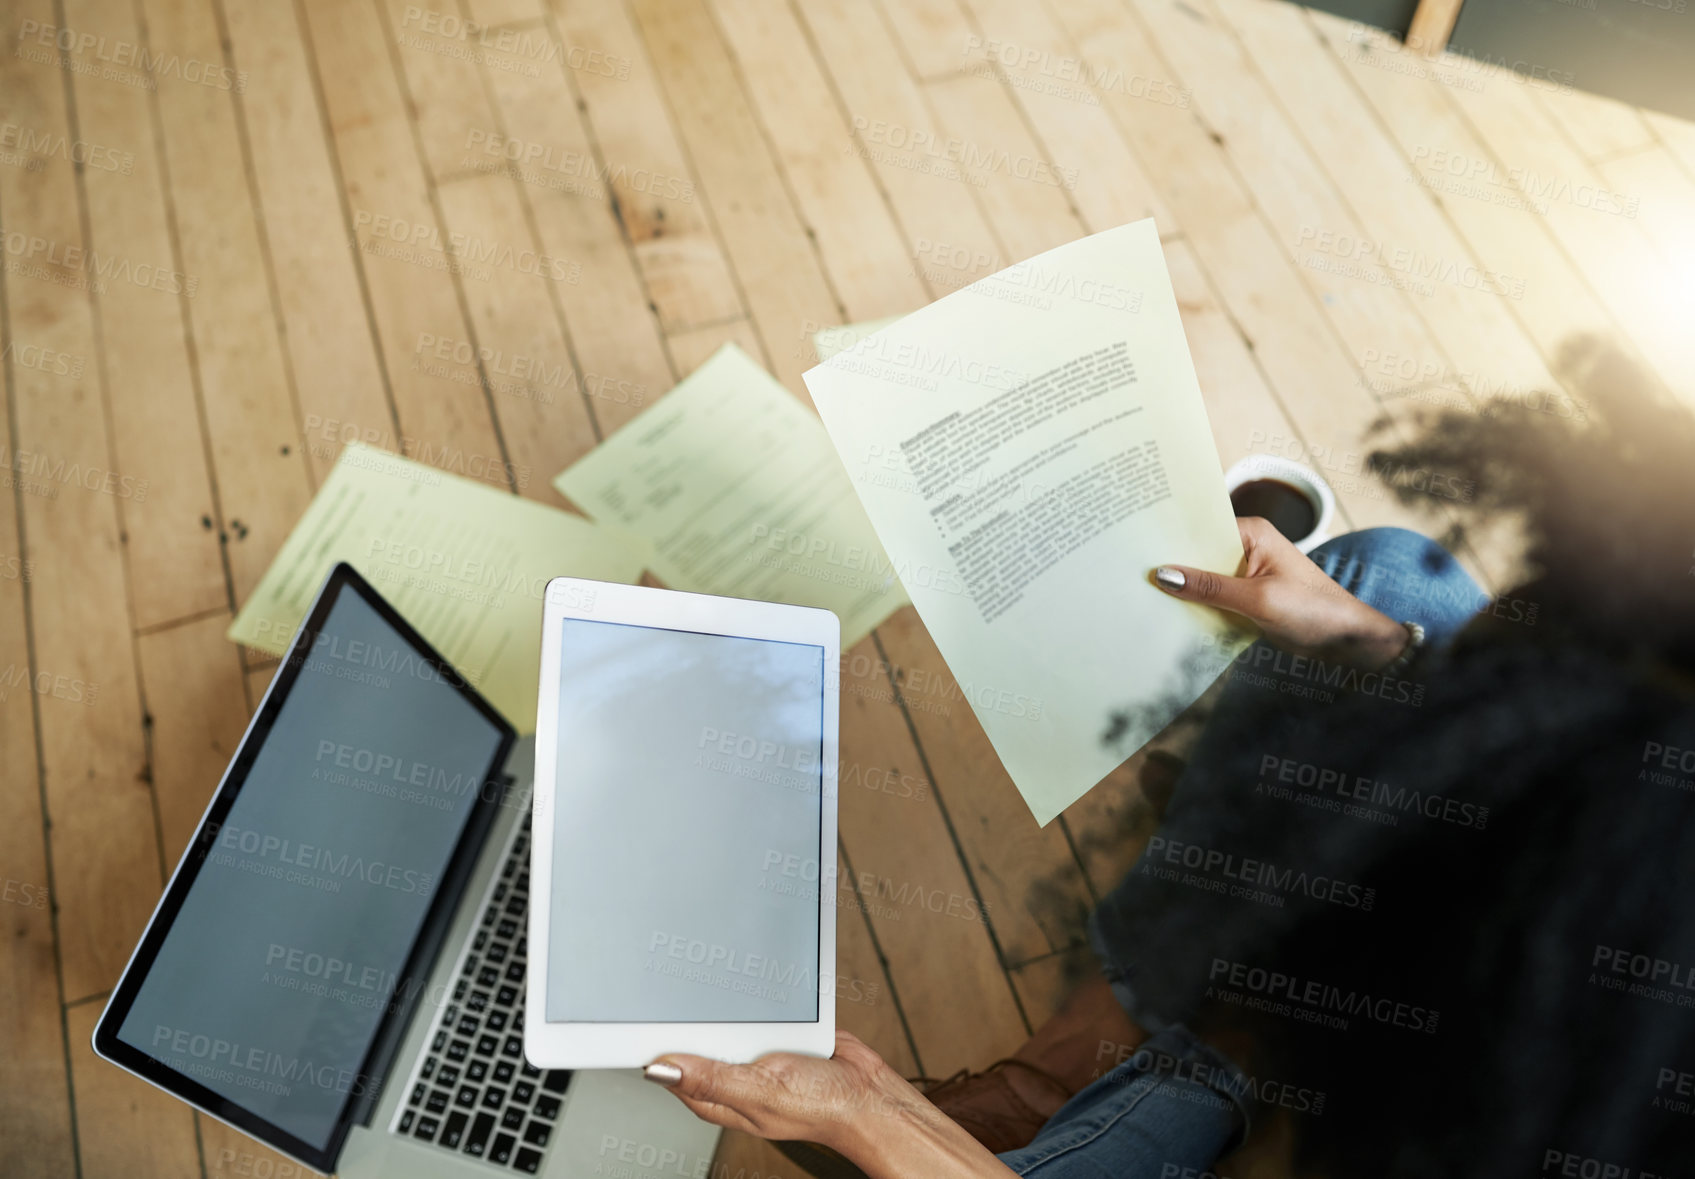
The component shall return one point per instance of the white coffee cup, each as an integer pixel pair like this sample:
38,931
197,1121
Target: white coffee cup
1303,479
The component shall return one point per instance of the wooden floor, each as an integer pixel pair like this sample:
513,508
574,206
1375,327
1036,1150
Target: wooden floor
224,262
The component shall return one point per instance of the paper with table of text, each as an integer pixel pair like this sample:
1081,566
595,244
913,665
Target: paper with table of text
1028,448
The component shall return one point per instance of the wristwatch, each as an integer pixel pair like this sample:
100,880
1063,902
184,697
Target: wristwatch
1415,644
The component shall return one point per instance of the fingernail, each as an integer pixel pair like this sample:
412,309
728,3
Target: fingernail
1169,578
661,1073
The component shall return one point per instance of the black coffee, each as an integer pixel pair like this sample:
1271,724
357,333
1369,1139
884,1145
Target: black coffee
1284,504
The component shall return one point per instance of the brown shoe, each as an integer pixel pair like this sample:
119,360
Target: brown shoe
1003,1106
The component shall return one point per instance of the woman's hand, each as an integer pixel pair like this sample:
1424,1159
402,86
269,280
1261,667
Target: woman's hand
853,1103
1295,606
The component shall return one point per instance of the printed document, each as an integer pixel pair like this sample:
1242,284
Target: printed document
1028,448
465,563
734,483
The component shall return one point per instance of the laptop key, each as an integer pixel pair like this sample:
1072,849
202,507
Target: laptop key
477,1002
477,1142
512,1118
522,1092
458,1050
429,1068
531,1070
492,1097
496,1021
514,1047
537,1134
406,1121
507,996
437,1102
529,1161
488,1046
503,1072
557,1080
427,1128
454,1130
515,972
476,1070
449,1076
501,1151
547,1107
466,1098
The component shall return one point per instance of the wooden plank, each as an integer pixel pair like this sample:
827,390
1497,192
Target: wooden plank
492,13
91,750
1027,875
526,368
1366,288
338,377
262,477
1503,229
35,1117
909,881
688,279
1105,180
1678,135
230,1154
611,327
866,1005
438,53
1486,348
1601,128
950,242
1432,25
935,35
191,679
860,245
171,541
1667,216
127,1130
405,254
527,365
1594,228
1031,212
690,350
1046,983
1294,345
768,247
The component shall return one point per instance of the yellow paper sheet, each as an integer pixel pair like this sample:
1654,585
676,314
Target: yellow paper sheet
463,562
1029,448
734,483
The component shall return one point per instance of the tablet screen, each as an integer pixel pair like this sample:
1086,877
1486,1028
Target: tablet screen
688,821
294,935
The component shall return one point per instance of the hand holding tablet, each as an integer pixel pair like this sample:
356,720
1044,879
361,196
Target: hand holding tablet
686,752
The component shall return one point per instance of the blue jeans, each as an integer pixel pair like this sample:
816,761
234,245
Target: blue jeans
1177,1105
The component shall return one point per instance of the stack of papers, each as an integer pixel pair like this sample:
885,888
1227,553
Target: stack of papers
1016,457
465,563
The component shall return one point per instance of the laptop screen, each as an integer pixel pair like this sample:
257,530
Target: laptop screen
291,943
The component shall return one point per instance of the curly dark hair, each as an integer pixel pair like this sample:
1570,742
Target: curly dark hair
1556,942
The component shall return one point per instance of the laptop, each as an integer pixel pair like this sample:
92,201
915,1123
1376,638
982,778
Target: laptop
337,966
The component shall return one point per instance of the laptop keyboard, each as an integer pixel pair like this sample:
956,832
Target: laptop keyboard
473,1092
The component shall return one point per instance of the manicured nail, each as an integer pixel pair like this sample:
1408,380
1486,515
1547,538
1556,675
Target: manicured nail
661,1073
1169,579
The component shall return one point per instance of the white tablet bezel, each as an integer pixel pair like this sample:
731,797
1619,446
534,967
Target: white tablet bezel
631,1045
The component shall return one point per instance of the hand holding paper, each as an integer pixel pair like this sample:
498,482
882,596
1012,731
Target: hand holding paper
1028,448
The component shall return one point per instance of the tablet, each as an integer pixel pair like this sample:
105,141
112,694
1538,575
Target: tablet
685,811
